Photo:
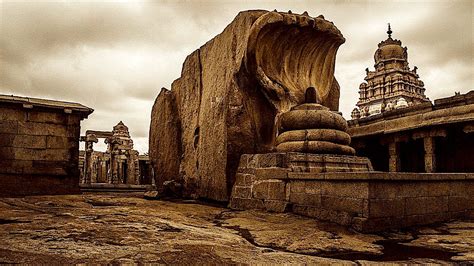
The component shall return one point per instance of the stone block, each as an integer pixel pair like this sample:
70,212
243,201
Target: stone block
7,153
252,161
72,131
426,205
458,203
41,129
13,166
246,204
41,154
276,205
6,140
73,120
46,117
277,190
305,199
459,188
339,217
269,189
393,207
9,127
345,189
56,142
260,190
12,114
384,190
305,210
411,220
271,173
372,225
352,205
270,160
312,187
424,189
297,186
246,170
243,160
29,141
242,192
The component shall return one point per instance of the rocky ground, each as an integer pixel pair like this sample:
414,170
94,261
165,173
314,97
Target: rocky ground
113,228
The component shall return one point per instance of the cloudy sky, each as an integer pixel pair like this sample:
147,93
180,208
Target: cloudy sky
114,56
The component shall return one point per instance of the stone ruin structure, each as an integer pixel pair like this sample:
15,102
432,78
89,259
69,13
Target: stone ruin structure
392,85
400,130
254,120
39,146
119,164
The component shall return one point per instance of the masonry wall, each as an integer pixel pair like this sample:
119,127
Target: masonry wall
368,202
39,150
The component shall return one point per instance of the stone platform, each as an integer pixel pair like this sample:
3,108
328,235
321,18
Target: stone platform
311,185
106,187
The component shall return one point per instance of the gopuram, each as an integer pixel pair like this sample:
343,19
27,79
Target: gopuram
119,164
253,120
393,85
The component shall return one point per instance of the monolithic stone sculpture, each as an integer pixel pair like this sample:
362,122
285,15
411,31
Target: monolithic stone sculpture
312,128
232,91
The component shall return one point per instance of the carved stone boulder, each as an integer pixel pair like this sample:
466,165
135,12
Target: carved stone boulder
231,92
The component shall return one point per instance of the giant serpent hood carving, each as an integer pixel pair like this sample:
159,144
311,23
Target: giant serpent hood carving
231,92
288,53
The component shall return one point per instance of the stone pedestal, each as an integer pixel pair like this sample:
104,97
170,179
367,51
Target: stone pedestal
344,190
260,176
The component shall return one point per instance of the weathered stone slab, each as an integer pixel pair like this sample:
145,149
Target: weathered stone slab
46,117
346,204
392,207
276,205
29,141
246,204
9,127
242,192
426,205
41,129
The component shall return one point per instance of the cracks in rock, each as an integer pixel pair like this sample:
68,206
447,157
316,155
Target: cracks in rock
12,221
393,249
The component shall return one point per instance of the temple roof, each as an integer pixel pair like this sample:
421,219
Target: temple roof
390,49
30,102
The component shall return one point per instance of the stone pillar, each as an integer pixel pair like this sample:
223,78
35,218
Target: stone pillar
88,163
114,178
394,157
430,156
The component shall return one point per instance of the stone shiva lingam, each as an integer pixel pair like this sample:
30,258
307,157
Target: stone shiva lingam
312,128
311,142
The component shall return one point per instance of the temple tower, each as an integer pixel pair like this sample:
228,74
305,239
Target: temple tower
392,85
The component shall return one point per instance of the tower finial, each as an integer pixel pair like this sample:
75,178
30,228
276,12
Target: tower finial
389,31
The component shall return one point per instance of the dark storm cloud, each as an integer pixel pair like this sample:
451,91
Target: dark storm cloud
115,56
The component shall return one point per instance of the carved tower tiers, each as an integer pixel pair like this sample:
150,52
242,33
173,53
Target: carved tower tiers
392,85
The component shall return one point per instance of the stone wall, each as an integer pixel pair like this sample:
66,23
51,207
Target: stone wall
365,201
39,149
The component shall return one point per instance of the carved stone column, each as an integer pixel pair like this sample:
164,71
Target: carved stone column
430,156
394,157
88,162
114,178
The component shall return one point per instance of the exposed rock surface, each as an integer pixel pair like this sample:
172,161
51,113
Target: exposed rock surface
108,228
230,92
